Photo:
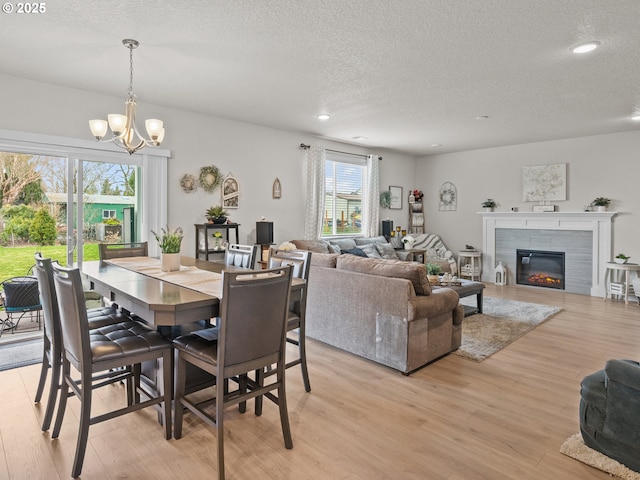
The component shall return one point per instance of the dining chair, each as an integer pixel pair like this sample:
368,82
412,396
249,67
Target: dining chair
241,255
103,350
300,260
120,250
52,345
250,334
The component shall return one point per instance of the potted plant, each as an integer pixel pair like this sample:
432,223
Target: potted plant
216,214
621,258
489,205
169,243
601,203
433,272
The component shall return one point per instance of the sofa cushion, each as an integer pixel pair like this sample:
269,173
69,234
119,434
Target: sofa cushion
343,243
387,251
318,246
327,260
370,250
358,252
366,241
414,272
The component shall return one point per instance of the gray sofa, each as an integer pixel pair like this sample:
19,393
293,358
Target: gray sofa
378,247
383,310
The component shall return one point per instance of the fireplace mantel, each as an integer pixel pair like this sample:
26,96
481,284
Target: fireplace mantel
599,223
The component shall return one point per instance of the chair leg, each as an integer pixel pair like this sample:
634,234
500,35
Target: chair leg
43,370
220,427
282,405
259,398
302,350
64,394
167,389
181,380
242,385
83,429
54,388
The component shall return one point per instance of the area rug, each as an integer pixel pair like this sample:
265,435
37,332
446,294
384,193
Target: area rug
19,354
575,448
501,323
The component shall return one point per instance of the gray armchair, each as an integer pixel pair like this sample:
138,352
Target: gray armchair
610,411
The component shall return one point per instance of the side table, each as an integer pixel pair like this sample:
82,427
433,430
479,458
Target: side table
612,281
470,263
202,230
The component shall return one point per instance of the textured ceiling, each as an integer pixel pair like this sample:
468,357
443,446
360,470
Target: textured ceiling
406,74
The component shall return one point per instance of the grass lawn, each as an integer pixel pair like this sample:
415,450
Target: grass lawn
16,261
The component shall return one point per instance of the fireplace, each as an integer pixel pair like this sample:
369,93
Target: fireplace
540,268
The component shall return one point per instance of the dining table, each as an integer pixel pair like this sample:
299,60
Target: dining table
163,299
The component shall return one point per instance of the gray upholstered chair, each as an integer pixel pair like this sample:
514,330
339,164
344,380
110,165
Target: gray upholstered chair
250,335
610,411
241,255
119,250
103,350
300,260
52,345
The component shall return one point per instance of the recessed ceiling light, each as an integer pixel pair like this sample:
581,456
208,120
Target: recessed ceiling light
324,116
359,138
636,117
482,117
435,145
586,47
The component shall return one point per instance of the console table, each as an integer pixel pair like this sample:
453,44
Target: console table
203,228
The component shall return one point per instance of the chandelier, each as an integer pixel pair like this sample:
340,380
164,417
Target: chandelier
123,127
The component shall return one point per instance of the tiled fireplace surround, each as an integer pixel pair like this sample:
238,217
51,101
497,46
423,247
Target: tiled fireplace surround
584,237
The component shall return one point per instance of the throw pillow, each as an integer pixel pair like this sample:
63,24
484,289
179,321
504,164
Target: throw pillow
334,248
343,243
370,250
355,251
387,251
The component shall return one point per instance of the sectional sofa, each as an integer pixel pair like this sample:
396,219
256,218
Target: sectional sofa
380,309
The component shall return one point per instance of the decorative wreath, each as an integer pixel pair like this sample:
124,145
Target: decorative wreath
210,178
188,183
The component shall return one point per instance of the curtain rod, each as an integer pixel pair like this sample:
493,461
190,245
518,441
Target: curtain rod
306,147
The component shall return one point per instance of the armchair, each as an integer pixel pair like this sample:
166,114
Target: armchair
610,411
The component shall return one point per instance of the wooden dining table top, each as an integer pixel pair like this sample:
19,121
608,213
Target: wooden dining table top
167,299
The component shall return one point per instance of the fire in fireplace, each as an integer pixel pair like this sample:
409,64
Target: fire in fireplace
540,268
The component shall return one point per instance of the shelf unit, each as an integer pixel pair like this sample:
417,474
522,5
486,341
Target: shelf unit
416,218
203,229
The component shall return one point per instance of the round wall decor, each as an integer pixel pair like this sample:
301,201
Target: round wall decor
188,183
210,178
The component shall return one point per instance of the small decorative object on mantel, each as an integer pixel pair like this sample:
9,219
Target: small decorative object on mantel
601,203
621,258
210,178
543,208
489,204
230,192
276,190
216,214
169,243
188,183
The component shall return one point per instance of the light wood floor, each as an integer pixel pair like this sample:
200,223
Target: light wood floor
504,418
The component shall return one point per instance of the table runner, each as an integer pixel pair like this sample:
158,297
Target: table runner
191,277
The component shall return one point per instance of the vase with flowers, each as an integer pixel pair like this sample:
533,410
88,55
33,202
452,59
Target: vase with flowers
169,242
417,196
218,243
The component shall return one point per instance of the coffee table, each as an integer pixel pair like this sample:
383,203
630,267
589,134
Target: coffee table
467,288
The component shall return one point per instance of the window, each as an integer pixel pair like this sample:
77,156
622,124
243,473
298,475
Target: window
344,182
108,214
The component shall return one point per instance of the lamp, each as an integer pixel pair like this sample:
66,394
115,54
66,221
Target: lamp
123,127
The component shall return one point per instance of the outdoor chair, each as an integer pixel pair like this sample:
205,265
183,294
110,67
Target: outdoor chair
20,298
250,335
103,351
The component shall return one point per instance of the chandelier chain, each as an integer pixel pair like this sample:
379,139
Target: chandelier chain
131,70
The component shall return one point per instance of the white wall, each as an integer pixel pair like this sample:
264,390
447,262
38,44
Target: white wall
255,155
601,165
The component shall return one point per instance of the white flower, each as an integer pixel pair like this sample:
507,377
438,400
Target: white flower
287,246
409,239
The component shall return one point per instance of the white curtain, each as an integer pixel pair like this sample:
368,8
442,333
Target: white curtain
314,204
371,201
